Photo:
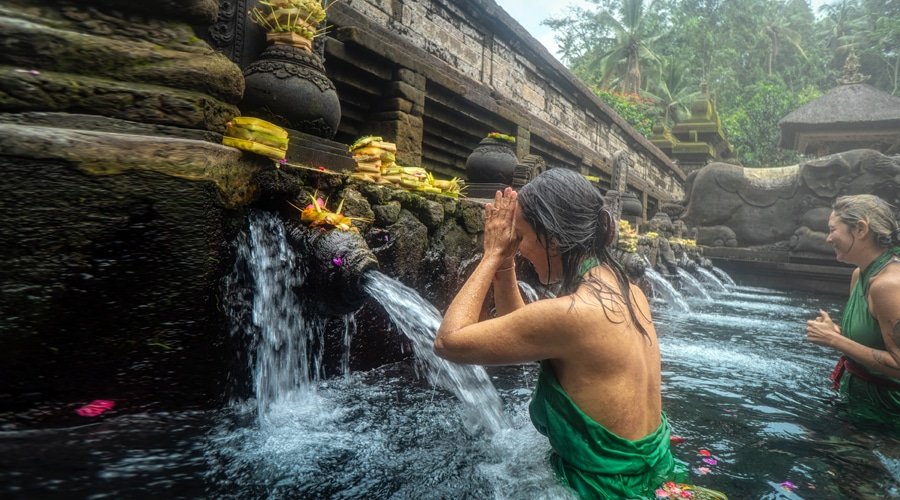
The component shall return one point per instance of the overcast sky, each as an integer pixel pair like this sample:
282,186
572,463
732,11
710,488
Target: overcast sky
530,13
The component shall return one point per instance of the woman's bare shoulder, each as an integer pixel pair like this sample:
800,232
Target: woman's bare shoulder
887,281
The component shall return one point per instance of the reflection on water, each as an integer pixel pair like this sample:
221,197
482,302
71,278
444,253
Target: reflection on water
739,382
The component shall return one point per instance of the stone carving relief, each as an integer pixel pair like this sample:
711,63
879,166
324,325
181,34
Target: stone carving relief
785,206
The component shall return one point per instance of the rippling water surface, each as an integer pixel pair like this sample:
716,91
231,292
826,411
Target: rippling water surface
739,381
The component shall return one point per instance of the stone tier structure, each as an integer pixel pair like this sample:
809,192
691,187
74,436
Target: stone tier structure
697,140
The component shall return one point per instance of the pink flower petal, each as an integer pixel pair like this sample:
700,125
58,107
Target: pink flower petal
95,408
703,470
788,485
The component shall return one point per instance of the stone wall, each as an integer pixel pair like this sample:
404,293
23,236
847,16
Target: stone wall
503,78
435,76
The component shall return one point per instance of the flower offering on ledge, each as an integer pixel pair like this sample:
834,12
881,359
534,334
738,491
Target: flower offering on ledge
317,215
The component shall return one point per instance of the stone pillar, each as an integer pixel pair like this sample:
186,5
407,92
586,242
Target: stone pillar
523,142
619,180
644,203
399,115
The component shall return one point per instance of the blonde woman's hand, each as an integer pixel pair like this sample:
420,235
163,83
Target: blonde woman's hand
500,239
822,331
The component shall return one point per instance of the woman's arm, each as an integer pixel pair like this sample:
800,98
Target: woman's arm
507,297
500,245
460,336
884,304
546,329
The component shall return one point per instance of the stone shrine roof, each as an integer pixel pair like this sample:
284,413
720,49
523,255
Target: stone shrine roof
853,107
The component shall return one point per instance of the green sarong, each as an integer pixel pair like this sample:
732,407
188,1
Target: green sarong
592,460
867,392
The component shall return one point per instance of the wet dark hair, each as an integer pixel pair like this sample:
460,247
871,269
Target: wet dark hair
563,207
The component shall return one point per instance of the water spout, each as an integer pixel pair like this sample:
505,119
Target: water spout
337,262
284,337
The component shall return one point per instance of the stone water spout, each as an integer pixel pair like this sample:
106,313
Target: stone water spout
337,262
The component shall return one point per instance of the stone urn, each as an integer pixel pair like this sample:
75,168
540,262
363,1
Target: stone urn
492,161
287,86
631,205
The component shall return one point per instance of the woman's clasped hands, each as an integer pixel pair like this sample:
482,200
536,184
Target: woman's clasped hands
500,238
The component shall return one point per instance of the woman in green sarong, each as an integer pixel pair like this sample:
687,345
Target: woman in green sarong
598,395
864,232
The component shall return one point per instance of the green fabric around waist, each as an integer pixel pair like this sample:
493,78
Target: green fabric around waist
590,459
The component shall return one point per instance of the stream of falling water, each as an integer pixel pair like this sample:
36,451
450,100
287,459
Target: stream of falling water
441,431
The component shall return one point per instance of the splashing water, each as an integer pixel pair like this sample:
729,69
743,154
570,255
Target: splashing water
287,358
349,330
709,277
694,284
669,294
419,321
723,276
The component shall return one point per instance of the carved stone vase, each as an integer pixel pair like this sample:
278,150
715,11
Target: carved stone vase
492,161
287,86
631,205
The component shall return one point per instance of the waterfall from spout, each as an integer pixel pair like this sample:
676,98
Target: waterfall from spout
669,294
419,321
711,278
723,276
349,330
693,283
285,339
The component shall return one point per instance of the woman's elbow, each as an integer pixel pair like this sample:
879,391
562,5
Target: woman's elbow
439,347
444,348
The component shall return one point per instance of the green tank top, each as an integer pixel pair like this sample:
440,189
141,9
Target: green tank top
859,325
591,460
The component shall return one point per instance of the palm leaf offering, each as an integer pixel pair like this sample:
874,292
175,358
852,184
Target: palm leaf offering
376,162
257,136
300,17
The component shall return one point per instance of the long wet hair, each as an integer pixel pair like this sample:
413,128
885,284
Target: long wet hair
564,208
877,213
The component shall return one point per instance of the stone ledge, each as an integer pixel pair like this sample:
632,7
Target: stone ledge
104,153
782,269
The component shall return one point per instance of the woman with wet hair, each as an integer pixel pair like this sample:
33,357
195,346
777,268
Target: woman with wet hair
598,394
864,232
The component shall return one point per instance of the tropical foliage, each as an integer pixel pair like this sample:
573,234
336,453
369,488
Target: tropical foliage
760,58
632,107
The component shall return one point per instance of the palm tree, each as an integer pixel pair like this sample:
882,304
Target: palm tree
780,29
673,91
630,47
